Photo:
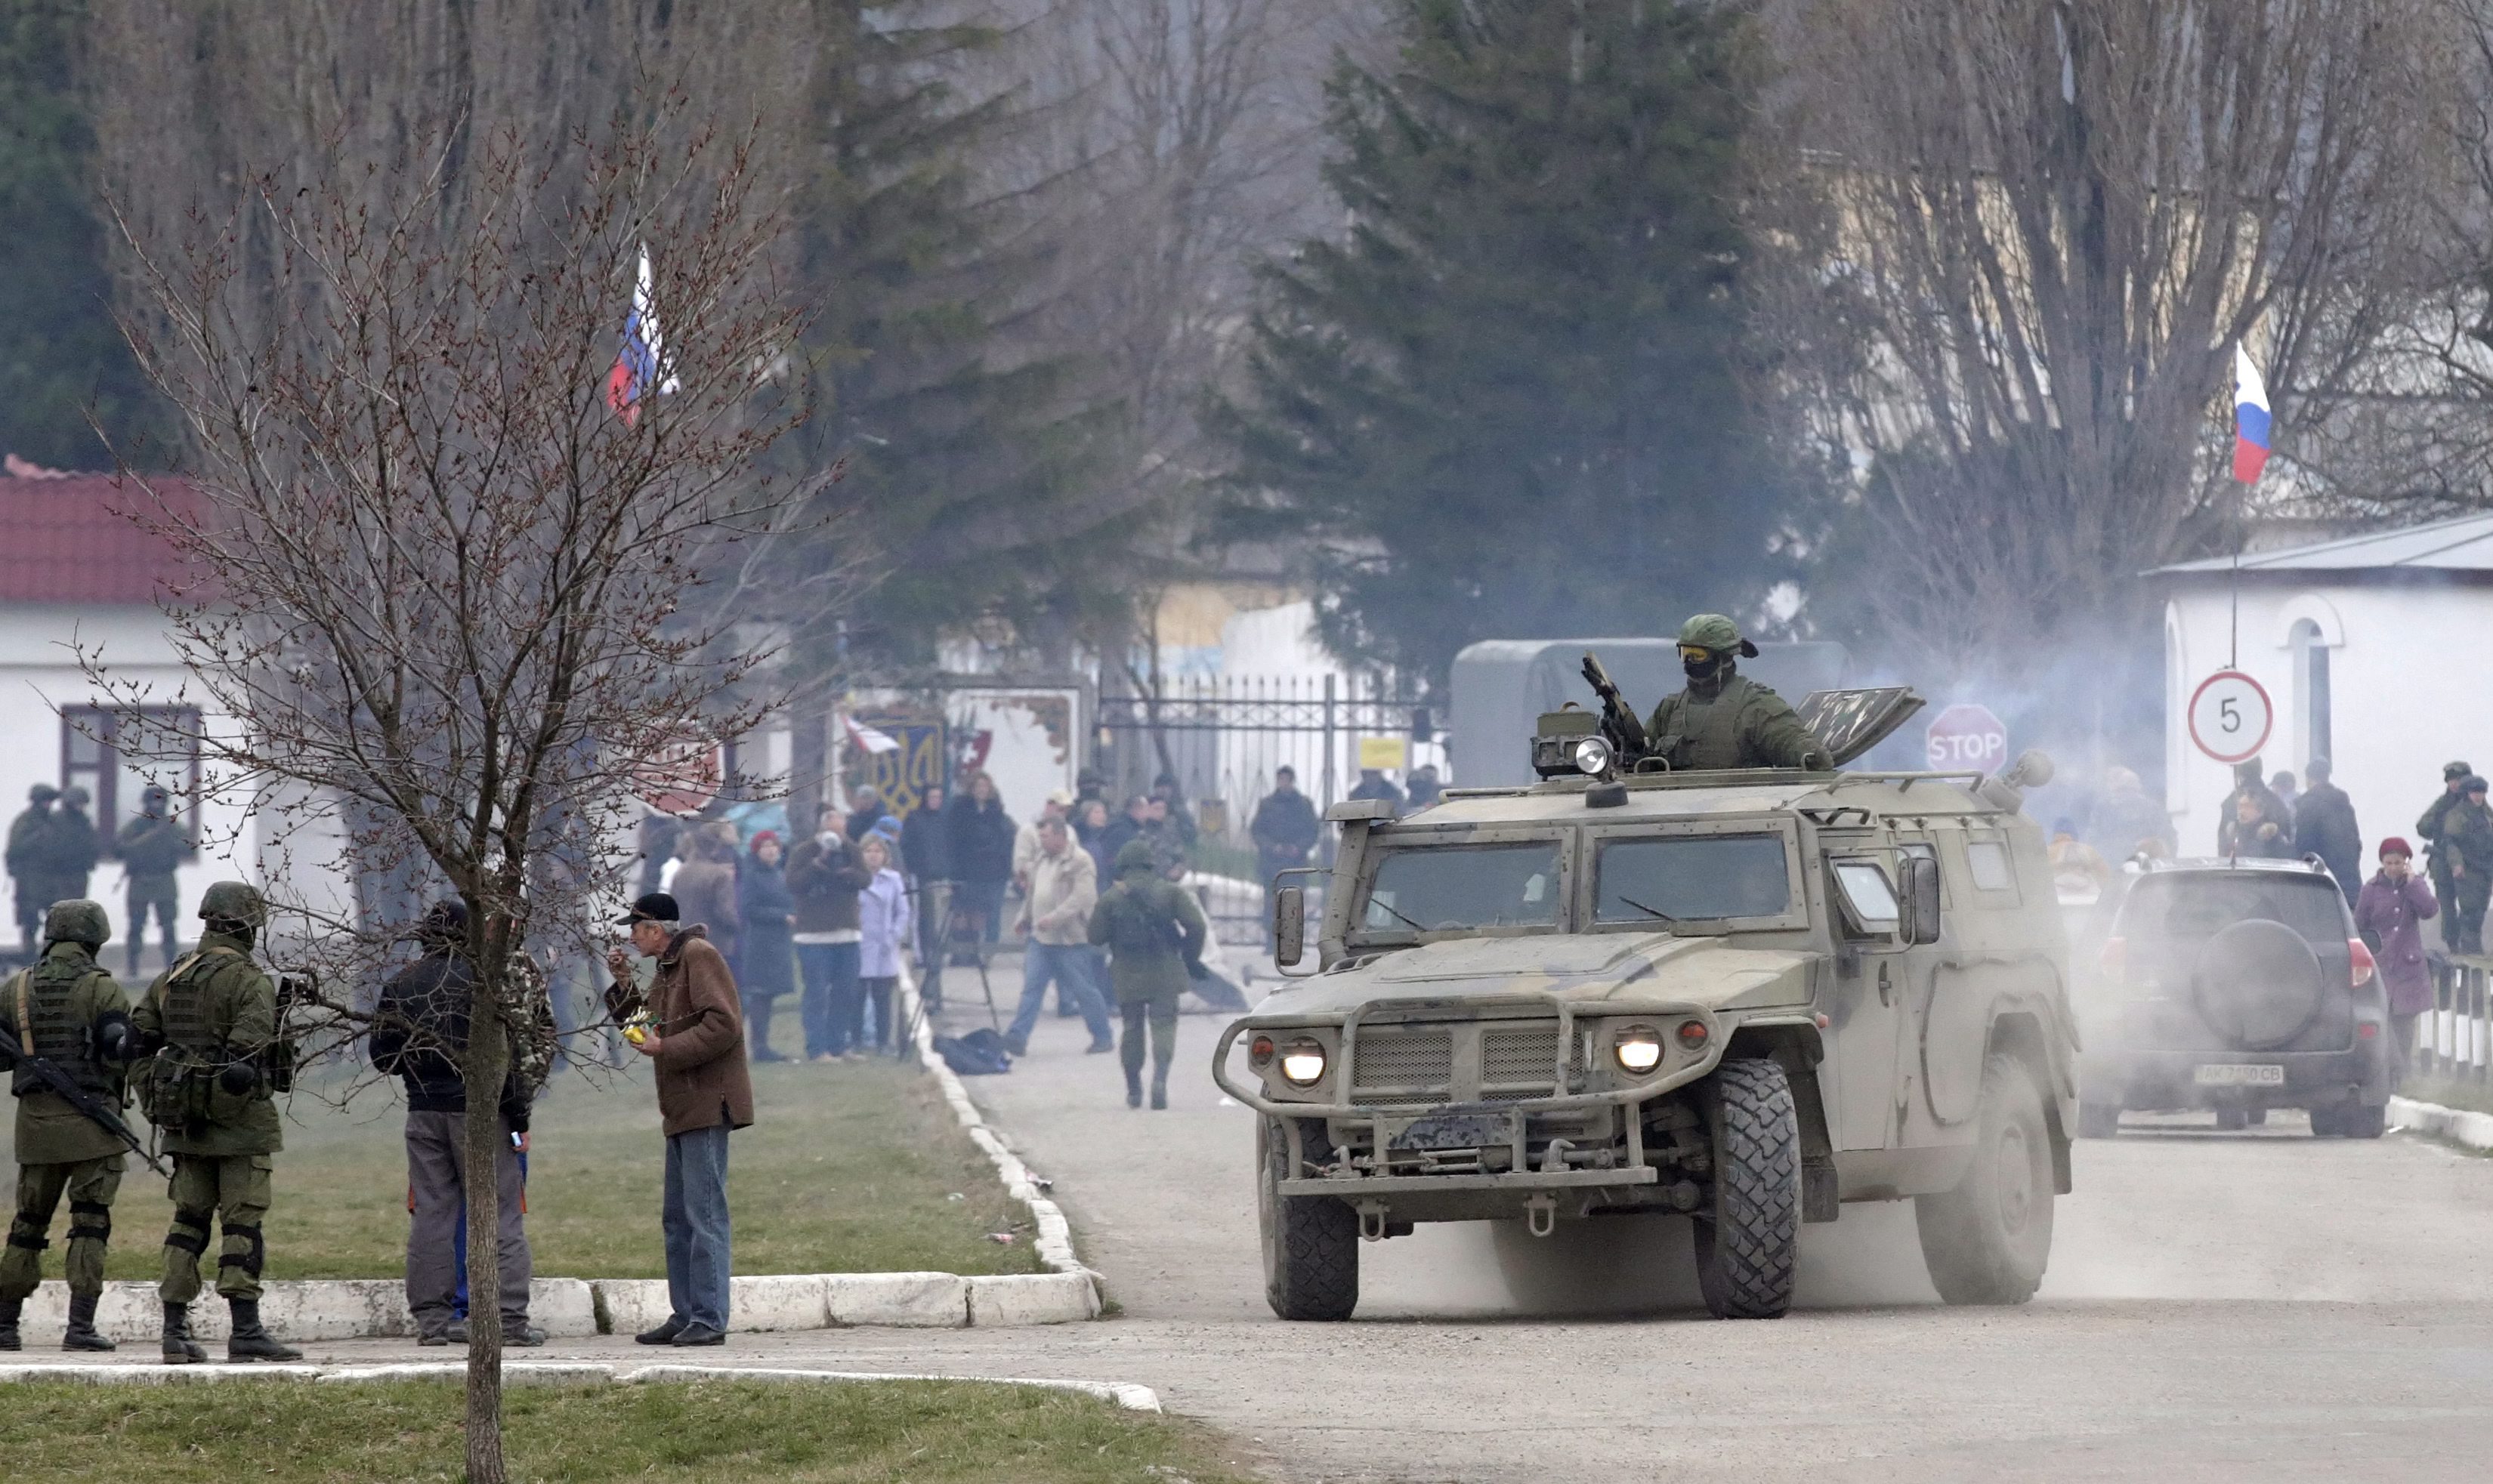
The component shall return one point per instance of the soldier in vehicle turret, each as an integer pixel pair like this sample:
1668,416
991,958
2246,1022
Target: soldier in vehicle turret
1723,719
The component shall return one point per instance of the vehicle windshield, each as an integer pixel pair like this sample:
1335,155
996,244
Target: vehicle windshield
1691,878
1451,889
2191,909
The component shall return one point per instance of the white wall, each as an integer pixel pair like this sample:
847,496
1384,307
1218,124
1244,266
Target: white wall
2408,692
39,673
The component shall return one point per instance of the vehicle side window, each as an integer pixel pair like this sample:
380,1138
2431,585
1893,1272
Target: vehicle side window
1869,897
1987,862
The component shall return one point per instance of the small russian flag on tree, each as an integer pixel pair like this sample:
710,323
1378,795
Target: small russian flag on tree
2250,419
642,366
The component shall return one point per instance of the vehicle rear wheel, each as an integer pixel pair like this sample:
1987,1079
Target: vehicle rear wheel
1988,1240
2327,1122
1310,1243
2257,1117
2232,1119
2365,1121
1748,1247
2099,1120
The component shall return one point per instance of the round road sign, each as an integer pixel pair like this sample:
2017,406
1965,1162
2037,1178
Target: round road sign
2230,717
1966,737
682,779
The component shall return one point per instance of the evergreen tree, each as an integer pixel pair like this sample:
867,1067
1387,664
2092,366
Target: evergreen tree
1507,404
63,355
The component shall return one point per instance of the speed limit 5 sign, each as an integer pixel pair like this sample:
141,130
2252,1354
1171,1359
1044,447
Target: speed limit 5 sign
2230,717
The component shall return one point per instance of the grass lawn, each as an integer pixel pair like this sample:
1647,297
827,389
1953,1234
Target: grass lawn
922,1431
850,1167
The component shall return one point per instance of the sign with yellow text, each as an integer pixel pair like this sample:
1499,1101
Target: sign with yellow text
1384,752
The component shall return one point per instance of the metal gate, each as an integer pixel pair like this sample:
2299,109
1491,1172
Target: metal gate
1224,737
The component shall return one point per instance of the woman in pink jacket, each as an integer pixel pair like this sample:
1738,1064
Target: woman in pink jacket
2391,915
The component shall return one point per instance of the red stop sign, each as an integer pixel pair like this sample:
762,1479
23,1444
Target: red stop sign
1966,737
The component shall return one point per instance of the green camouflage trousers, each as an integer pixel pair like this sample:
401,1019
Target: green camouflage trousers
234,1191
90,1184
1157,1010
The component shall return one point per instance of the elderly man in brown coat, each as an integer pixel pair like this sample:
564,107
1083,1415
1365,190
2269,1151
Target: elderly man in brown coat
694,1036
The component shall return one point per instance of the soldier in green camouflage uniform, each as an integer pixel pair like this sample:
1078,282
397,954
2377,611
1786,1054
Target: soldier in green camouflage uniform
211,1021
70,1011
152,846
1155,933
1723,719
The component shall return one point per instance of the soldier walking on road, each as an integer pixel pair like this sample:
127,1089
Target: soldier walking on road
1724,719
29,864
70,1013
211,1021
152,846
1155,936
2439,857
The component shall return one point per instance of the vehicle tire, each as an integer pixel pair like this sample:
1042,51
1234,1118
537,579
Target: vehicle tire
1310,1243
2232,1121
2099,1120
1748,1247
1988,1240
2327,1122
2256,1117
2364,1120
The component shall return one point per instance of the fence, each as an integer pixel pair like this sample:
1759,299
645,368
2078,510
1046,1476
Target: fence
2455,1037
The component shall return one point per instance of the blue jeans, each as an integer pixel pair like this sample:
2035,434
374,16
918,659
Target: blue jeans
829,1009
694,1219
1070,966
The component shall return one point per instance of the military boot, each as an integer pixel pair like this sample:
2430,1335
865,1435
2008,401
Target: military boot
250,1342
81,1334
1159,1090
1133,1086
179,1347
9,1308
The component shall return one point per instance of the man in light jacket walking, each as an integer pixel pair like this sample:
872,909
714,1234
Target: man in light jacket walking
1064,887
695,1039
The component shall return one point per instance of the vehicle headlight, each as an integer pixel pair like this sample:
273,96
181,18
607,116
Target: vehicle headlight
1592,756
1639,1049
1302,1063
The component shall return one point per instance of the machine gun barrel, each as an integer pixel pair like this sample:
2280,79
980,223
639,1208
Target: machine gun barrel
1619,721
69,1091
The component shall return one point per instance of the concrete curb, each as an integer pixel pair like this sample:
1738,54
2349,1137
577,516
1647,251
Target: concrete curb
2458,1125
1032,1297
533,1373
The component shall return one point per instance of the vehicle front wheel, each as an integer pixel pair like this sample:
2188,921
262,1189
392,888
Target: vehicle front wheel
1988,1240
2365,1121
1310,1243
1748,1247
2099,1120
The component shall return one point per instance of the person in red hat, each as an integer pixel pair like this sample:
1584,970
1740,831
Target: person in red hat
2391,915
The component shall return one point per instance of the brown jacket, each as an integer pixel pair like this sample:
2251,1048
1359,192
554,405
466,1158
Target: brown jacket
702,1077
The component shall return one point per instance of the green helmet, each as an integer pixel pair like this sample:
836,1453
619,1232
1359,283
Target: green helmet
234,902
1136,855
1714,631
78,921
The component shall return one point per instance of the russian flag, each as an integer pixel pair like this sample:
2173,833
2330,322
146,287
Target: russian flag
2250,418
640,365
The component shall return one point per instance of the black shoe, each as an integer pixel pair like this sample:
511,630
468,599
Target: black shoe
523,1334
455,1332
179,1347
434,1337
698,1334
250,1342
10,1310
1159,1094
664,1334
81,1333
1096,1047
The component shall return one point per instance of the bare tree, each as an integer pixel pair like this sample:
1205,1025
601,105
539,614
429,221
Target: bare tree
455,600
2023,240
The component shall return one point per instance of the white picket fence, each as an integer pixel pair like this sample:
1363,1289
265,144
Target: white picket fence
2456,1038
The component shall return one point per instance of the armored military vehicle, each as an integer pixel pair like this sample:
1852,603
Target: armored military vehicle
1747,996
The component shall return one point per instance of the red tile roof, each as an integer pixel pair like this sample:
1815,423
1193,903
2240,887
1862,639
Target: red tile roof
71,540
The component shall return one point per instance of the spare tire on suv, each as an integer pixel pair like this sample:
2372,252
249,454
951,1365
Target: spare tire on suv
2257,984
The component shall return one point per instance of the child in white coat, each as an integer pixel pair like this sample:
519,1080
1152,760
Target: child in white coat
884,924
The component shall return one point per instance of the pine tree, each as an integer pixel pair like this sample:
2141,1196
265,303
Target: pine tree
1508,405
64,356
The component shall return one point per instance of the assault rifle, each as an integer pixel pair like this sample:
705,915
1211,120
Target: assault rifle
65,1087
1619,723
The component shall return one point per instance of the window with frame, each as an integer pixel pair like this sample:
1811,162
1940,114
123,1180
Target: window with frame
114,753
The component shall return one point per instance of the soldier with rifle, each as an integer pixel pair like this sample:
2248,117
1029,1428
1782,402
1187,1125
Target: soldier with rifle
215,1061
65,1036
1721,720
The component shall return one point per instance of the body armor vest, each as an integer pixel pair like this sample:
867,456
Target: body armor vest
188,1027
51,1027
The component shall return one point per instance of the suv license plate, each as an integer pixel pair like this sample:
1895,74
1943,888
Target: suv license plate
2239,1074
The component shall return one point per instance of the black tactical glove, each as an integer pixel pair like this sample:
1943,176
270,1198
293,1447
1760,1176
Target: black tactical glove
238,1078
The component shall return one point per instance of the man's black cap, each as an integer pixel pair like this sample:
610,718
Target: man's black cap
655,907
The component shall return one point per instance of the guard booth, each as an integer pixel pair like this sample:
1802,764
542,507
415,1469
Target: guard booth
1502,686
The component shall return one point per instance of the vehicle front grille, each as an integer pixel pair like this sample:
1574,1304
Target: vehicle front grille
1400,1064
1520,1054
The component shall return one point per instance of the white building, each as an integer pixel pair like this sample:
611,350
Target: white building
2372,650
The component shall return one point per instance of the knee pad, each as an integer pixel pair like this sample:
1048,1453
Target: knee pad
190,1230
90,1218
29,1241
250,1261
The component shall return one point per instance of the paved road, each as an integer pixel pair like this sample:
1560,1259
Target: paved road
2260,1305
